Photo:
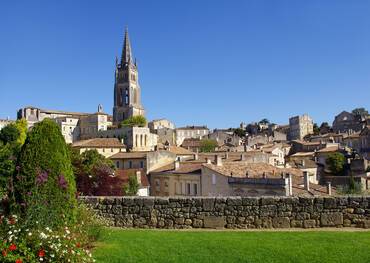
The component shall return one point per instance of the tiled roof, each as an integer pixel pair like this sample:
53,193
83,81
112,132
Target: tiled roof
303,154
179,150
100,143
255,170
191,142
306,143
185,167
193,128
328,149
307,164
129,155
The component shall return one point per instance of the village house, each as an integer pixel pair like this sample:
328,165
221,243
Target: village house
176,179
365,142
5,122
104,146
196,132
299,127
246,179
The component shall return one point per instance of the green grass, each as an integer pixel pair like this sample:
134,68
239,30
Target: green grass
118,245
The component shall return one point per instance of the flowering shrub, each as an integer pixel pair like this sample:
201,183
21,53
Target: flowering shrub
21,244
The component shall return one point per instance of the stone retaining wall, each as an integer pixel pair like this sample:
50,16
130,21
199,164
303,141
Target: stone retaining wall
233,212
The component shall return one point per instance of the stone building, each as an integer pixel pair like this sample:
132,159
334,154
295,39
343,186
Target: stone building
300,126
159,124
176,179
241,179
165,130
127,92
104,146
196,132
365,142
347,122
69,127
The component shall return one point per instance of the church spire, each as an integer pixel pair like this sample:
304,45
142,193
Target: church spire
126,51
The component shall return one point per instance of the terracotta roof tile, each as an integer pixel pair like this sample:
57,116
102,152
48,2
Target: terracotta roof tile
99,143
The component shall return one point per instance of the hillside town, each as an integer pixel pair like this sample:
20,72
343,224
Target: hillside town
296,158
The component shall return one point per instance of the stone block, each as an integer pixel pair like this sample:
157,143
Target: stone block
309,223
331,219
250,201
234,201
330,202
208,204
281,222
197,223
296,223
214,222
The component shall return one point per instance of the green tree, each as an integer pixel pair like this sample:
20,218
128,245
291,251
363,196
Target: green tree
360,111
132,187
324,128
208,145
264,121
240,132
336,162
9,134
45,187
22,128
134,121
316,129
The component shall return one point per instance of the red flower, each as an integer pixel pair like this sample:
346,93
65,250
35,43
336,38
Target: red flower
78,245
4,253
12,247
18,260
42,253
12,221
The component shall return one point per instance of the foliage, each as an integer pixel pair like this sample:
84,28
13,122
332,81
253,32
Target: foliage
132,187
7,169
208,145
21,126
94,173
336,162
360,111
252,246
316,129
240,132
134,121
325,128
264,121
353,188
9,134
23,244
44,185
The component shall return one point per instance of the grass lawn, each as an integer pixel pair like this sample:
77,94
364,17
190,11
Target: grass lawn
118,245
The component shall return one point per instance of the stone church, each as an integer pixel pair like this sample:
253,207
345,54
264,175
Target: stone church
77,126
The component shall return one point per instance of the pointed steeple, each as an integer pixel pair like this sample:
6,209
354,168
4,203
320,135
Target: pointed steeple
126,51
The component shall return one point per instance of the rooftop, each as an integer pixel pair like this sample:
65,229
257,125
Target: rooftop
129,155
99,143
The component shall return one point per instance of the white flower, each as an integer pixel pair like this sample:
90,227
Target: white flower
30,234
43,236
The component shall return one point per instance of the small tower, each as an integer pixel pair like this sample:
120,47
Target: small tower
127,92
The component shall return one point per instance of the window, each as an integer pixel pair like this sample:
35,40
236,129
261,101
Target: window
188,189
176,188
195,189
213,179
129,164
117,164
126,97
141,164
157,185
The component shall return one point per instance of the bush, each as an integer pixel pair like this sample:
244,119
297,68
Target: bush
336,162
134,121
45,188
132,187
208,145
22,244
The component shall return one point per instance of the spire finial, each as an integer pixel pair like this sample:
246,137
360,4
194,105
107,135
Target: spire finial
126,51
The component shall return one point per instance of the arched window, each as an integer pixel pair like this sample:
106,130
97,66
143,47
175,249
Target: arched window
136,140
145,140
141,140
126,97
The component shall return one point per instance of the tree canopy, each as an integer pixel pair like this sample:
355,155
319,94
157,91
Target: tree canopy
360,111
240,132
132,187
208,145
44,184
134,121
336,162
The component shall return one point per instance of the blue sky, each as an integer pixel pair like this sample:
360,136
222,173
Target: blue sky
200,62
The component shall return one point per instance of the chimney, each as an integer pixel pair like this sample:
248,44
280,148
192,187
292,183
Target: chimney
306,181
177,164
138,177
302,162
196,156
208,160
226,155
218,160
290,184
328,188
242,157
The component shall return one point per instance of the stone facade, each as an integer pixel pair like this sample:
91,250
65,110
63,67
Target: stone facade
127,92
233,212
300,126
196,132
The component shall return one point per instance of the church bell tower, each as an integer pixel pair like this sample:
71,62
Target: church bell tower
127,93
